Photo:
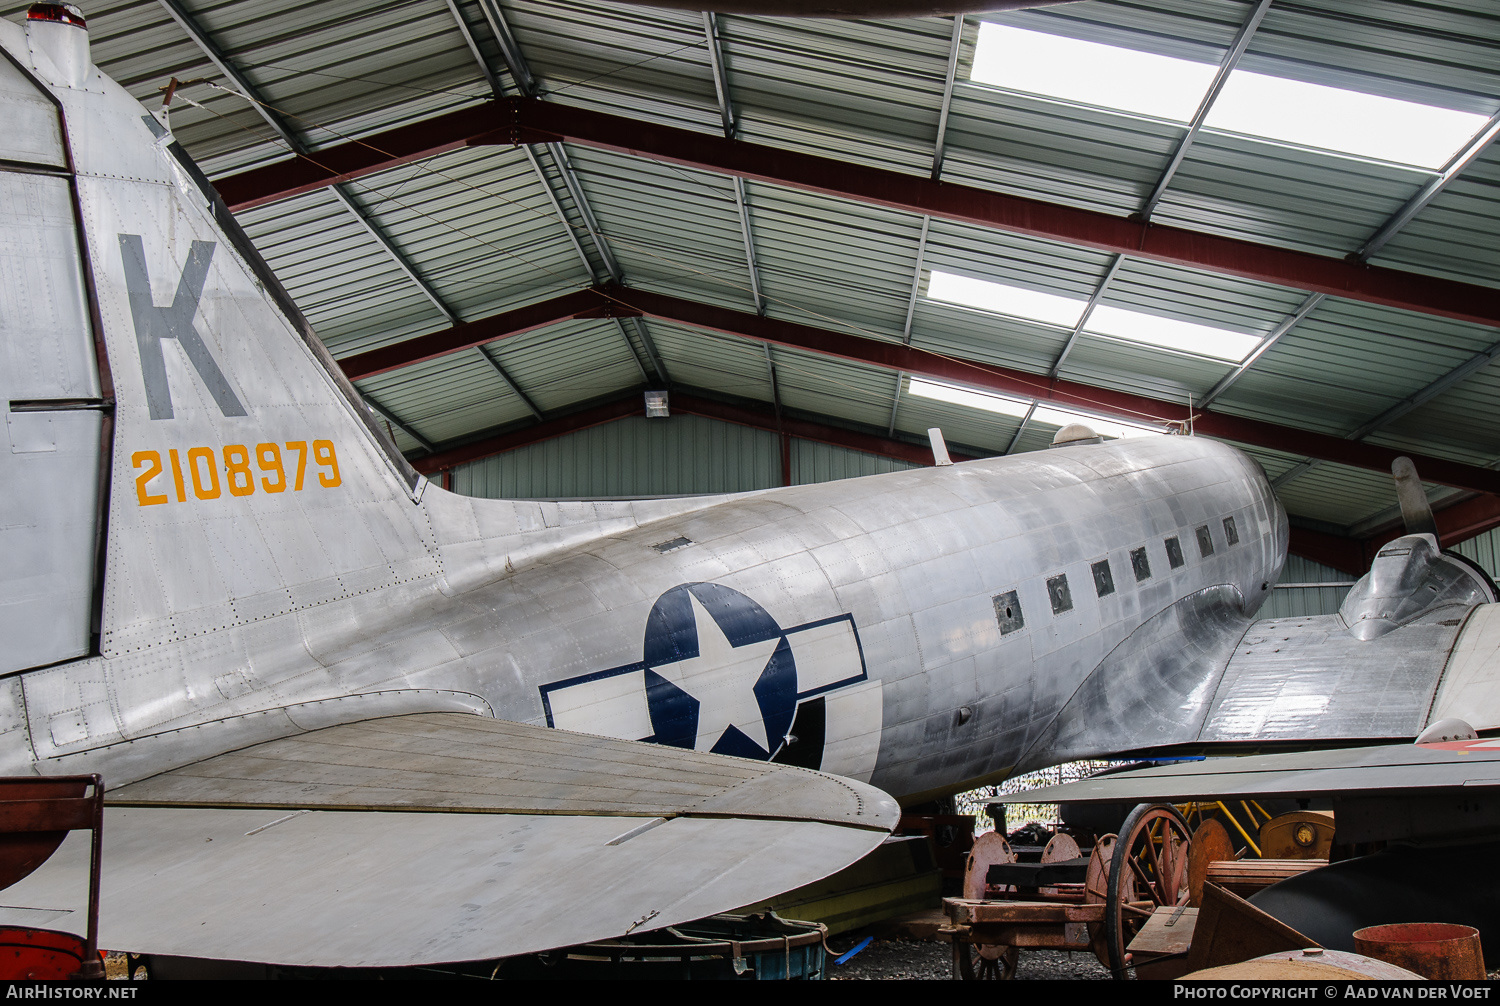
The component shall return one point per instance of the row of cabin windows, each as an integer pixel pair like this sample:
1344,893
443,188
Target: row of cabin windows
1008,604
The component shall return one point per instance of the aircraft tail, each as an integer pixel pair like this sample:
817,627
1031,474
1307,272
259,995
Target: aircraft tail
183,453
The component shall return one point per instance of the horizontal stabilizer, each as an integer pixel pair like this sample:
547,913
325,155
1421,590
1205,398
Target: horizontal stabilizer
448,837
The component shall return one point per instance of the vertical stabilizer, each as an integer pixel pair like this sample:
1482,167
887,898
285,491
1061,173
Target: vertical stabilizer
246,478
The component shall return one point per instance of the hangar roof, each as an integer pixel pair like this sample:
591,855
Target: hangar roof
1372,284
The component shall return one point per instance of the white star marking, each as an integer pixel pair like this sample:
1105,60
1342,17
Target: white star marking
722,678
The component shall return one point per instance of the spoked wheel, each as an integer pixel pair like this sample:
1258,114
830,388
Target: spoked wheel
1148,870
1096,891
985,962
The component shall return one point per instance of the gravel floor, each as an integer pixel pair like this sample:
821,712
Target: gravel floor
909,959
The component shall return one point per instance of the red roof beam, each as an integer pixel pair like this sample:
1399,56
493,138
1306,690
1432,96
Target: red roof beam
526,120
580,304
762,418
344,162
899,357
895,356
1457,522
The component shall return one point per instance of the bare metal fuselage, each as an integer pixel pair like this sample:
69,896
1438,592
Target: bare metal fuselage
271,565
940,696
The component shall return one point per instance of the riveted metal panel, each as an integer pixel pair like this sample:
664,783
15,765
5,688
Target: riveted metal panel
50,448
31,133
476,224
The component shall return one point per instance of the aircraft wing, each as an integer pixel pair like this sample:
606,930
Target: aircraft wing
443,837
1382,770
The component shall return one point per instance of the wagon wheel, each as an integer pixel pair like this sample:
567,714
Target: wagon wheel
984,962
1147,871
990,849
1211,844
1059,850
1096,890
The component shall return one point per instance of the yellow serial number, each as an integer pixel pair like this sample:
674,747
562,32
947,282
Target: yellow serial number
210,472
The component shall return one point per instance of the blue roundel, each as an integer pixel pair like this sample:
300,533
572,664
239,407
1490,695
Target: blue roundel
673,639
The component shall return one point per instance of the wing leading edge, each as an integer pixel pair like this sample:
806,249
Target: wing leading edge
445,836
1382,770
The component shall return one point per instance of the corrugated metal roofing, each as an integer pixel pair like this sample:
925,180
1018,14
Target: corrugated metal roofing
479,227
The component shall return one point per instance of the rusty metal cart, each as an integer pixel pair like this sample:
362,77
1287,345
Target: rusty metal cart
36,814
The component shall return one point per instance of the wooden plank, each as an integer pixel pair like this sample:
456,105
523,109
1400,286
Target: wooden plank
1168,931
1032,937
964,911
1246,876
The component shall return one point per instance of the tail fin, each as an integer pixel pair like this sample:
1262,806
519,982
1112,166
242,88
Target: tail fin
238,474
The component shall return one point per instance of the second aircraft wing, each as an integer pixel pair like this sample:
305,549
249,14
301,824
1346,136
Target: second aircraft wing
443,837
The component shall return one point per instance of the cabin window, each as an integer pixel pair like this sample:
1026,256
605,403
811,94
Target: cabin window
1008,612
1231,533
1104,580
1174,552
1140,564
1059,595
1205,542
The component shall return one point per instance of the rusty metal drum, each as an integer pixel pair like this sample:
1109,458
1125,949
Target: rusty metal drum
1436,950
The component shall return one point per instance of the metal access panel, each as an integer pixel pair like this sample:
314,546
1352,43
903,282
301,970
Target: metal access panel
49,385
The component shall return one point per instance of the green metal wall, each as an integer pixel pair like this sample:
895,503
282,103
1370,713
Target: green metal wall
1316,600
677,456
1484,550
1290,601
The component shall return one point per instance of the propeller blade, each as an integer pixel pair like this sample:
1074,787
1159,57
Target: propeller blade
1416,512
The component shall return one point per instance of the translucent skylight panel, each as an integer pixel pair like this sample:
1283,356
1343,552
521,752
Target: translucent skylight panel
1089,72
1017,408
1104,427
1254,104
1351,122
973,399
1003,299
1114,322
1169,333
